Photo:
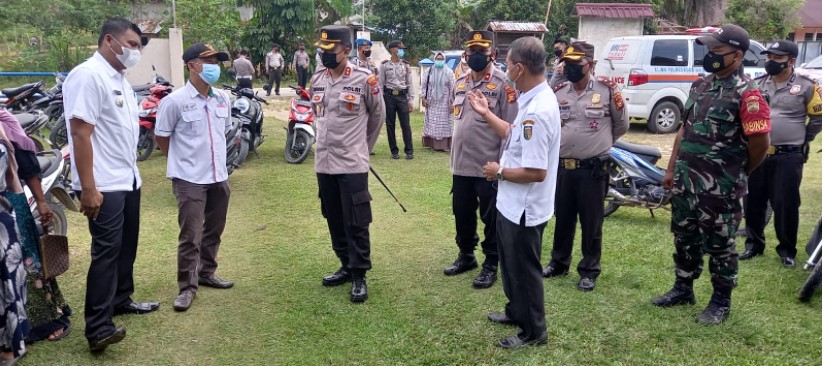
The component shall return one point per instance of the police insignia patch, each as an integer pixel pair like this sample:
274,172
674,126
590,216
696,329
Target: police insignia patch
795,90
350,106
753,107
456,111
618,101
528,122
527,132
596,98
349,97
348,71
461,86
491,86
372,80
511,94
375,90
316,98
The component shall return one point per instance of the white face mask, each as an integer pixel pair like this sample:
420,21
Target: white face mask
130,58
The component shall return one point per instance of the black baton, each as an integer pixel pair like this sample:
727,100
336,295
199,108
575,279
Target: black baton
386,187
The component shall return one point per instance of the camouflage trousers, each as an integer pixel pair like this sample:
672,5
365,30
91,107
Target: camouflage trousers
701,225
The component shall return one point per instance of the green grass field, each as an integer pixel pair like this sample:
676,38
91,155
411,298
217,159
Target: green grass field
276,247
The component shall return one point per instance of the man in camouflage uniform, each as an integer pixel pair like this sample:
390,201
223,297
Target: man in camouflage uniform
793,98
724,137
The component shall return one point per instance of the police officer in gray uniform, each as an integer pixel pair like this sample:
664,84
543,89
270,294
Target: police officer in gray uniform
593,118
350,113
363,59
793,98
395,78
474,144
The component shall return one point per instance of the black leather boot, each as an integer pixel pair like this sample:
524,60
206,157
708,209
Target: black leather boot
681,294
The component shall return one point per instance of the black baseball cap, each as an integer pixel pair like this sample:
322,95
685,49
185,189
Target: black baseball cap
396,44
782,47
729,34
203,50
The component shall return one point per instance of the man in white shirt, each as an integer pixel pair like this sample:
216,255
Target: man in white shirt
103,125
191,131
274,68
526,175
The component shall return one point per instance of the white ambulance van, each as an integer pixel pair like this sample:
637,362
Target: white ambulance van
655,73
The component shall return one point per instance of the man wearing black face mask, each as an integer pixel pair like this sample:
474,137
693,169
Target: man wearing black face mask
724,137
363,60
794,98
560,46
593,117
350,112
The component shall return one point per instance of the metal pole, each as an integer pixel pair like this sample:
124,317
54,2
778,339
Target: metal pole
174,13
546,21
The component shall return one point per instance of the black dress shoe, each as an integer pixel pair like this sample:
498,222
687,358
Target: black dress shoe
516,341
550,272
586,284
409,156
100,344
215,282
788,262
184,300
137,308
359,290
486,278
337,278
501,318
395,156
464,262
749,255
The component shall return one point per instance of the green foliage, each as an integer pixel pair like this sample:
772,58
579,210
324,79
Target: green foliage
212,21
287,22
422,25
765,19
52,17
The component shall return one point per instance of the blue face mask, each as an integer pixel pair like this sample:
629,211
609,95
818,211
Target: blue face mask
210,73
401,52
439,64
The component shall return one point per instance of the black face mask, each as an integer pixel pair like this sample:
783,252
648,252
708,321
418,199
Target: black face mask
478,62
714,62
558,53
774,67
367,53
330,60
573,72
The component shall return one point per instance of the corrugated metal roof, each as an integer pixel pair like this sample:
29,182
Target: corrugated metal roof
614,10
516,27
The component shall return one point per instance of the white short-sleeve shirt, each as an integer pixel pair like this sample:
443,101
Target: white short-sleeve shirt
101,96
534,142
196,126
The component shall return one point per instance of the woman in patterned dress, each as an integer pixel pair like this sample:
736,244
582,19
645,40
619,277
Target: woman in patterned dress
436,92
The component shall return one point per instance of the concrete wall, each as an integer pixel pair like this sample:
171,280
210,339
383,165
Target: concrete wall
598,31
166,55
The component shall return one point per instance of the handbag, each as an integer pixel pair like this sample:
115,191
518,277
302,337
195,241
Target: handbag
54,255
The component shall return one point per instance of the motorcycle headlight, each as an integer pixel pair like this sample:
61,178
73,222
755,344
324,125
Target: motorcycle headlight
242,105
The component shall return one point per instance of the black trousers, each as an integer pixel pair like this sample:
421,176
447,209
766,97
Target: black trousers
275,76
110,283
244,83
776,180
469,194
397,106
580,192
520,247
302,76
346,204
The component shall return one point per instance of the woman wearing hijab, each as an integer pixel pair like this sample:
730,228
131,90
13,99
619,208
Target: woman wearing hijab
47,309
436,92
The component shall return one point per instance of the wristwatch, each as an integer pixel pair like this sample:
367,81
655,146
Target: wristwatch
499,174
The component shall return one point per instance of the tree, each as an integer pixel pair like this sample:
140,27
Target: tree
211,21
422,25
765,19
287,22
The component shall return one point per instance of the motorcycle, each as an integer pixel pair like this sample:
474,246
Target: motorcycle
22,98
148,117
246,107
32,123
300,131
634,180
58,196
234,138
52,103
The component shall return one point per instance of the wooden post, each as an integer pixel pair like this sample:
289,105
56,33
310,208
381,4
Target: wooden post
546,21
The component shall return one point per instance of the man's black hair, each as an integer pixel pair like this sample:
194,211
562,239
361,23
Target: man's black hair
118,26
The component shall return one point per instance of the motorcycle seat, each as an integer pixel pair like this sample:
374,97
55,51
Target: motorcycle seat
142,88
25,119
48,164
638,149
10,92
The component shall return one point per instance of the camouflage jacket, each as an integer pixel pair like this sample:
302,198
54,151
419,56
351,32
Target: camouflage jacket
713,153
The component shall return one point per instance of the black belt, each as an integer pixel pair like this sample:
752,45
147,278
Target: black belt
784,149
395,91
572,164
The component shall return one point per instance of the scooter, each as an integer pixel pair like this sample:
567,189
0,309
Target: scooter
148,117
53,166
246,107
32,122
300,131
634,180
234,139
52,103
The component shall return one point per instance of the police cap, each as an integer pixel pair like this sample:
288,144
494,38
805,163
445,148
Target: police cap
362,42
729,34
480,38
332,35
782,47
578,50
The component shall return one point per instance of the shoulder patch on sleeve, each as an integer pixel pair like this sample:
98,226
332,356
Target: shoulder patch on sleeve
511,94
559,86
608,82
372,83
